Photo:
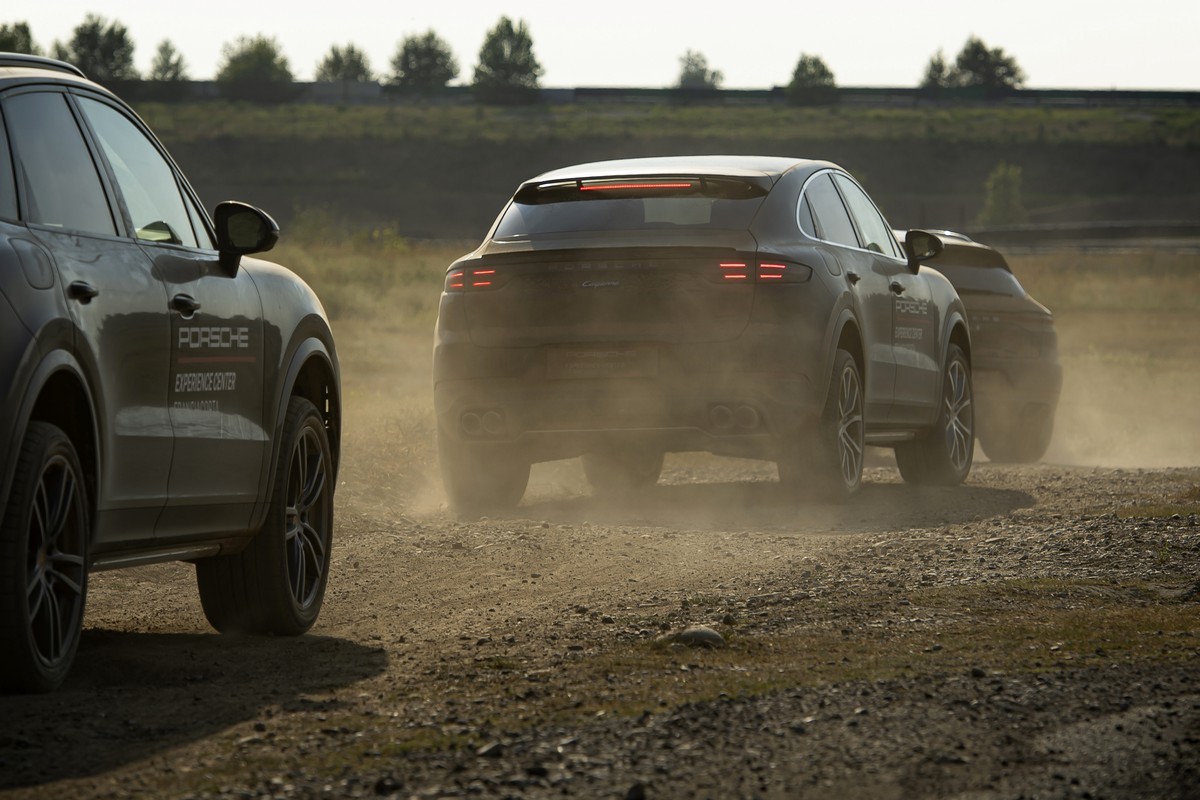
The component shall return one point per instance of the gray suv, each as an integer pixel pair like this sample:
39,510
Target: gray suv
162,397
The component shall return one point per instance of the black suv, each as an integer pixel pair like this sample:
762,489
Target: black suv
161,398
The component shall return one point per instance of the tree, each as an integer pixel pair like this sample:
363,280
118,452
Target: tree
938,74
254,69
16,38
1002,204
812,82
345,64
695,74
423,63
102,49
168,65
991,69
507,71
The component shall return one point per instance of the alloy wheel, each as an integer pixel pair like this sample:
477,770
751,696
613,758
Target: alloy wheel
55,568
306,537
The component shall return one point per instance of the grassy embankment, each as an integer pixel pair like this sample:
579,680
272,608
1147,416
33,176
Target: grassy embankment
444,171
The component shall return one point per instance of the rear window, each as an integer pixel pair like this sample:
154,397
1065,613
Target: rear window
631,205
980,280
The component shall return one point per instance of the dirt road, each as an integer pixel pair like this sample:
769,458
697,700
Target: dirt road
1033,633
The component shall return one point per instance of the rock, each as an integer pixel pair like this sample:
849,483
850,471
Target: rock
697,636
491,750
387,785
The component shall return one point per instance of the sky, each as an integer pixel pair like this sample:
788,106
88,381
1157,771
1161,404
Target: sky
754,44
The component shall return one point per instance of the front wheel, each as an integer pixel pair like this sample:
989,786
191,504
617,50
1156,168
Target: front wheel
943,457
43,562
277,584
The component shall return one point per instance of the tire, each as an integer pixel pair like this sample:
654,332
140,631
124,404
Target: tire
481,479
830,467
277,584
943,457
1022,438
43,562
622,470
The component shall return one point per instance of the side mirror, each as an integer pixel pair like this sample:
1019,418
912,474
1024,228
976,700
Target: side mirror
921,246
242,229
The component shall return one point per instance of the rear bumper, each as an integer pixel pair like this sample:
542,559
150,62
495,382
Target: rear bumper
730,413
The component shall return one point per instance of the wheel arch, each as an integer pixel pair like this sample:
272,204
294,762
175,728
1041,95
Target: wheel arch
847,335
313,374
58,394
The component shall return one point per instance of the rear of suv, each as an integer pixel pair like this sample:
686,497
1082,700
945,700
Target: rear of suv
162,396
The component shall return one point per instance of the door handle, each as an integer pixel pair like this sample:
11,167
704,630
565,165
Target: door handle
82,291
853,277
185,304
897,287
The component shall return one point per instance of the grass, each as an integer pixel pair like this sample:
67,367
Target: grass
1173,127
377,274
1187,503
1110,280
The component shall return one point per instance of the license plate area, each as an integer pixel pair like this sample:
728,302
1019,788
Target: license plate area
581,362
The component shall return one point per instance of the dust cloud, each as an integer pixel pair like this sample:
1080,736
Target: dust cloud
1131,390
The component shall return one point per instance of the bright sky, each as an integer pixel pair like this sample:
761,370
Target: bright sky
754,43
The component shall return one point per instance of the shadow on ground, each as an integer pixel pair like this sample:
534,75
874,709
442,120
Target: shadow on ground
765,505
135,695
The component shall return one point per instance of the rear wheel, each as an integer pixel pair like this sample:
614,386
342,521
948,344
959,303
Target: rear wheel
481,479
831,466
943,457
43,562
1020,438
622,470
277,584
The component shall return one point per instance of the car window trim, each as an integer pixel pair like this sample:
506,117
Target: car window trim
115,209
181,185
853,222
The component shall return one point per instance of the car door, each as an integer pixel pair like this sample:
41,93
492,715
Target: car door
913,332
117,302
215,388
869,283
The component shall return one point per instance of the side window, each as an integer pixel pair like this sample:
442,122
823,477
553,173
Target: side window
147,181
8,186
874,228
833,222
805,218
61,185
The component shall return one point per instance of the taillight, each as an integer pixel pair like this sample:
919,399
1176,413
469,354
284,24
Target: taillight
734,271
472,279
772,271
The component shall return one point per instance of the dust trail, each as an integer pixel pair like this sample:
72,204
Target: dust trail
1130,390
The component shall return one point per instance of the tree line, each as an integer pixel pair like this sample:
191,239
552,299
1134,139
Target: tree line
255,67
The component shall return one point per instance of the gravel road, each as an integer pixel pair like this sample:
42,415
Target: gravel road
1034,633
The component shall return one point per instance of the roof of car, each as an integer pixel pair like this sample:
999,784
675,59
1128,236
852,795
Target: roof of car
731,166
26,61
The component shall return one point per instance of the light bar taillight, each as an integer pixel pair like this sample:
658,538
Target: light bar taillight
471,278
763,272
633,186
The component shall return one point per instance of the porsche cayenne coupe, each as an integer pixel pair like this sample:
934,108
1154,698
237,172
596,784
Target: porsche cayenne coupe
748,306
1018,376
162,396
